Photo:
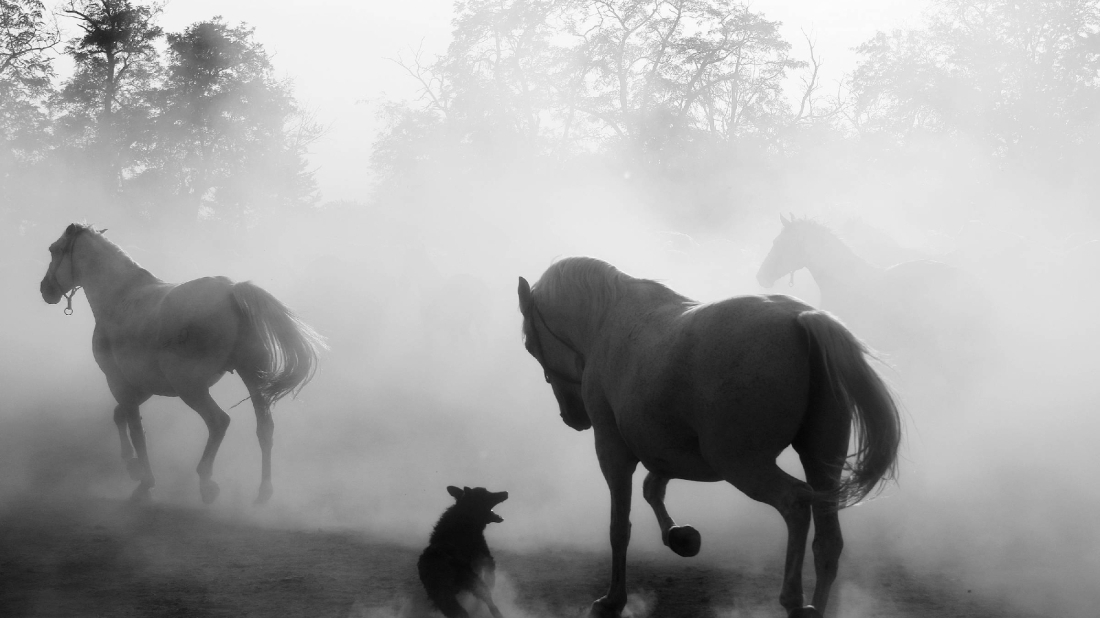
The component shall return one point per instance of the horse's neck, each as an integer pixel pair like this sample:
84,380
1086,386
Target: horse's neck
836,268
106,275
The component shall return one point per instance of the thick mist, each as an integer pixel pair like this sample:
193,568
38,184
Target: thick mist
427,384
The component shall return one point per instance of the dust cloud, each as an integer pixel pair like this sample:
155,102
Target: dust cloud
426,383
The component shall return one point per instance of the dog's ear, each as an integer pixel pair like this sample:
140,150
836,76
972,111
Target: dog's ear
454,491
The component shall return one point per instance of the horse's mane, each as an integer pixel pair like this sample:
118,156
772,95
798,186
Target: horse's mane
76,229
813,224
593,283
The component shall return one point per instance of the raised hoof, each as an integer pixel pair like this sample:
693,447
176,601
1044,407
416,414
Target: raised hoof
684,540
265,494
604,608
209,491
134,467
805,612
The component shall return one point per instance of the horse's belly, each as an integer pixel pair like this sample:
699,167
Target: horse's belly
146,376
680,466
673,456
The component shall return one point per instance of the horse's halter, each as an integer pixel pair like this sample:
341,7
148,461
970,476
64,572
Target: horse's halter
68,250
547,371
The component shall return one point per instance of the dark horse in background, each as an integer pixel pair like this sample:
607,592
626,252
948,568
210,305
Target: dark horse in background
177,340
713,392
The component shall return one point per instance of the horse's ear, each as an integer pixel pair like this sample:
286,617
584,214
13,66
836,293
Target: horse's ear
524,295
454,491
785,221
102,231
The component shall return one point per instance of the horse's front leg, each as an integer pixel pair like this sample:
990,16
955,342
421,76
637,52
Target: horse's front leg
139,467
217,421
122,417
684,540
617,464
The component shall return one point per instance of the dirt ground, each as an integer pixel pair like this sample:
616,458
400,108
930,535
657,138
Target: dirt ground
98,557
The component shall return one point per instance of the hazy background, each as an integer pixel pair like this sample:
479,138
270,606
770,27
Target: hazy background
964,131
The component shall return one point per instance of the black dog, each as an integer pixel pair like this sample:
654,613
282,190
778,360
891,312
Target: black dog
457,559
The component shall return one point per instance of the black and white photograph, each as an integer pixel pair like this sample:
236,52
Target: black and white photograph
550,308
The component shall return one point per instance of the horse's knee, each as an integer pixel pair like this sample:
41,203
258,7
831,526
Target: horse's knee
794,503
122,414
218,423
653,489
620,533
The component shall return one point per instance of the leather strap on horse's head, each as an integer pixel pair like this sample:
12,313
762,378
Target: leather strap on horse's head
70,244
547,371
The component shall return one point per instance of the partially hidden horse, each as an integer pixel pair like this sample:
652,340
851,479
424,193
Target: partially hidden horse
177,340
923,305
713,392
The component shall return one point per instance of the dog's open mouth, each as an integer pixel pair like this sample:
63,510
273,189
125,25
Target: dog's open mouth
496,518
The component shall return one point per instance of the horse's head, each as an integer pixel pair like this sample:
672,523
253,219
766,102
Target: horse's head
787,254
63,275
562,364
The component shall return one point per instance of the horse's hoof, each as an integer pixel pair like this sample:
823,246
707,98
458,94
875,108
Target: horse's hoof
141,494
209,491
805,612
606,608
265,494
684,540
134,467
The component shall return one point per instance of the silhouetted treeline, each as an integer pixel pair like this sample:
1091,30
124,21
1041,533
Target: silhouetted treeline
695,97
170,127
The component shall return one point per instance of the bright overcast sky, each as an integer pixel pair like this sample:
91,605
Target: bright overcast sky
336,52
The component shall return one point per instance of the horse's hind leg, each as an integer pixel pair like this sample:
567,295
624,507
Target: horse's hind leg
822,447
822,456
828,541
265,432
217,421
765,482
684,540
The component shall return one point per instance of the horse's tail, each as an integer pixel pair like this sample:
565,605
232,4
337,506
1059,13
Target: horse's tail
858,387
284,346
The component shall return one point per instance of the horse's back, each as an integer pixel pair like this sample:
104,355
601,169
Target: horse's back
732,376
935,295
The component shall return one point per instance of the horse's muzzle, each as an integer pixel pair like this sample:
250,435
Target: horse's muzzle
764,279
51,293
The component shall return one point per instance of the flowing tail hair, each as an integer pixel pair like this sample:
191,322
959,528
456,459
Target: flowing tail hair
285,347
858,387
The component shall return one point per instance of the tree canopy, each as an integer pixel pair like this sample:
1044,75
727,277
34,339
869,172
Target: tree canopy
181,126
